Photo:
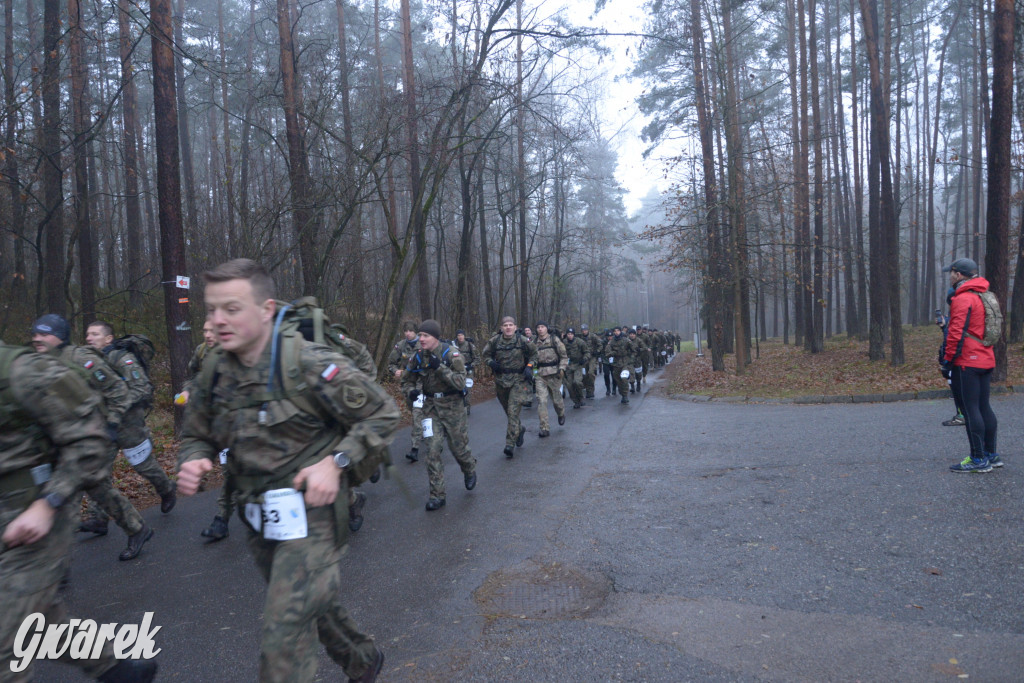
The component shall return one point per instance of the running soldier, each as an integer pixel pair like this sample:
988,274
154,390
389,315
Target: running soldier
594,345
51,335
52,445
551,363
397,359
290,457
578,352
619,354
439,370
467,348
511,358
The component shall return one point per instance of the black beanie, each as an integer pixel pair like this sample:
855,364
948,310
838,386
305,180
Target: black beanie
431,327
51,323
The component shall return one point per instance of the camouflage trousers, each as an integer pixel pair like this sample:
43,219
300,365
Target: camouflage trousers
549,385
448,417
133,431
29,578
226,498
512,398
574,382
645,364
303,604
105,501
622,382
416,434
590,377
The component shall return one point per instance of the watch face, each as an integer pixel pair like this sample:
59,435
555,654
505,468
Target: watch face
341,460
55,500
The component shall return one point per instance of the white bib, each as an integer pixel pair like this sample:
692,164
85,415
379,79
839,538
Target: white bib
624,374
469,382
418,403
428,428
137,454
281,517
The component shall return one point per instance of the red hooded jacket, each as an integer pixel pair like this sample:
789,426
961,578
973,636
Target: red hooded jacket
962,350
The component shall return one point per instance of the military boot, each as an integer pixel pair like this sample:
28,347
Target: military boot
135,543
168,500
355,512
509,453
217,530
413,455
372,671
519,439
94,526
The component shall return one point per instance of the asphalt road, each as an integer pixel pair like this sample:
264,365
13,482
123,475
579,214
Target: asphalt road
660,541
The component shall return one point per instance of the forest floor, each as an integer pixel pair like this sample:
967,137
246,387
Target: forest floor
785,371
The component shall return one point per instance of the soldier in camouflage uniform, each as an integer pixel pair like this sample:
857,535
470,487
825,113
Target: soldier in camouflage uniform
50,335
282,454
636,369
551,363
532,388
397,360
643,336
52,444
619,352
467,348
610,384
511,357
439,371
134,437
594,345
578,352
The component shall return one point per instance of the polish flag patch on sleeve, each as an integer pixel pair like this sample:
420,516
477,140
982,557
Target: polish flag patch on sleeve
330,372
89,364
127,361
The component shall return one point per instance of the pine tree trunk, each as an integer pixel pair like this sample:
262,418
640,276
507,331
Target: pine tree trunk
129,120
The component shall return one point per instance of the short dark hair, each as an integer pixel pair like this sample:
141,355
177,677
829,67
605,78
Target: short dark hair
408,326
263,286
108,329
508,319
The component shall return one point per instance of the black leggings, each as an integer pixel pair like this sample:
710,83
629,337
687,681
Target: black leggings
971,387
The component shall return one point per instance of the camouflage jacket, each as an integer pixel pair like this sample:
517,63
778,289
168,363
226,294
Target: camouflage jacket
449,379
593,342
400,354
227,415
125,364
578,351
621,349
468,351
90,366
51,416
551,356
195,364
513,355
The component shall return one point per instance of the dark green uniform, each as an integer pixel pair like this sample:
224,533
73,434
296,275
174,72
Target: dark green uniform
578,352
594,343
106,500
49,420
444,415
134,437
397,360
271,437
551,362
509,358
619,353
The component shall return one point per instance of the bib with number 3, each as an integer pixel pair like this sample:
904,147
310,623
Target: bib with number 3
283,515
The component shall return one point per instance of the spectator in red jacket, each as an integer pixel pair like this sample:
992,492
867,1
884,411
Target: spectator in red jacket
970,364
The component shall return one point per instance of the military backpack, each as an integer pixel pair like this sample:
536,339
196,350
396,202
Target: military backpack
993,319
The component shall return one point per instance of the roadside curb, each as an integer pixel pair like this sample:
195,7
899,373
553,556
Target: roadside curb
929,395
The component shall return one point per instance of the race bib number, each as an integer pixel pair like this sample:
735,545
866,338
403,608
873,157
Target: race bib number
638,370
624,374
664,353
283,515
137,454
223,457
418,403
611,360
469,382
428,428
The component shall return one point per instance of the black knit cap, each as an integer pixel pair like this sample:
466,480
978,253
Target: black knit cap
570,331
431,327
539,323
51,323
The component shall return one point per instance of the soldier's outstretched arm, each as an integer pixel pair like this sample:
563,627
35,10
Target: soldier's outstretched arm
195,456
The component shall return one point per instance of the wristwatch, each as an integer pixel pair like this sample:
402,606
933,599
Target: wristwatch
341,460
55,500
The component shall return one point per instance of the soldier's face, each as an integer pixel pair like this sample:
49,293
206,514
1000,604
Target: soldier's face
508,328
209,336
542,330
95,337
241,324
570,336
460,337
410,335
42,343
427,342
527,331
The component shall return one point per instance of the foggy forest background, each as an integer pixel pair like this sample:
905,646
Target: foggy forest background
451,159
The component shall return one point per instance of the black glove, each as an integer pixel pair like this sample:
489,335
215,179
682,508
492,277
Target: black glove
112,432
413,394
434,363
528,373
494,365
